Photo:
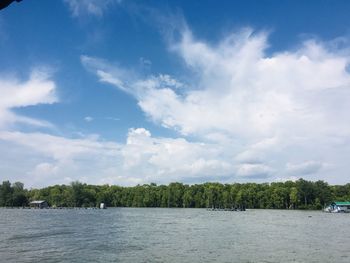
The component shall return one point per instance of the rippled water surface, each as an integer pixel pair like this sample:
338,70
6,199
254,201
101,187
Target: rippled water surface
172,235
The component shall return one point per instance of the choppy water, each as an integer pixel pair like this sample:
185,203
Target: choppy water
172,235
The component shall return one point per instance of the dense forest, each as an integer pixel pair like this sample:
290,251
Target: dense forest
301,194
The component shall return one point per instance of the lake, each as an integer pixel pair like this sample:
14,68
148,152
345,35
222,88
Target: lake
172,235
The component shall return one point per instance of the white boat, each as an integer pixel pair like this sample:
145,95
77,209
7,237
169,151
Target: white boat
338,207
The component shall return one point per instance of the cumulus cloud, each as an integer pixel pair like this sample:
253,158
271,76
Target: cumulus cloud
143,158
50,159
244,115
38,89
167,158
259,94
90,7
260,108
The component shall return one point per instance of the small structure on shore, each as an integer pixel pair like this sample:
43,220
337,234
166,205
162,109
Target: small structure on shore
338,207
39,204
103,206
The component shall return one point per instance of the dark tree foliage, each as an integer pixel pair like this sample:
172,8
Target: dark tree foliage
13,195
301,194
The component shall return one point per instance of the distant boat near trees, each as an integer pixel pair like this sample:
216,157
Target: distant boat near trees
39,204
226,209
338,207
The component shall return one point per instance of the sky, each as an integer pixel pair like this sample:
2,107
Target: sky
133,92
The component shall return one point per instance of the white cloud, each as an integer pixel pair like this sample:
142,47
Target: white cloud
142,159
90,7
254,170
245,115
59,148
255,152
88,119
241,91
284,179
304,168
50,159
167,159
38,89
261,110
47,159
45,171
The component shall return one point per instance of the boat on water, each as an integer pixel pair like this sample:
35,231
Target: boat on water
226,209
338,207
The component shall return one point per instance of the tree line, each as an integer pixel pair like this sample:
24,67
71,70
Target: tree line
301,194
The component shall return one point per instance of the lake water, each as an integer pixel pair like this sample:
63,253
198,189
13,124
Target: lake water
172,235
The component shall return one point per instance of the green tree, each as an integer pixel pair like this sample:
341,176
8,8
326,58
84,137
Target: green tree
6,192
19,197
293,196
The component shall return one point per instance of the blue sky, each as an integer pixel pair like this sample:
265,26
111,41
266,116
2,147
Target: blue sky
129,92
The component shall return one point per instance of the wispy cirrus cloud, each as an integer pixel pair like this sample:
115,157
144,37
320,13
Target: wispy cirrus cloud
90,7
